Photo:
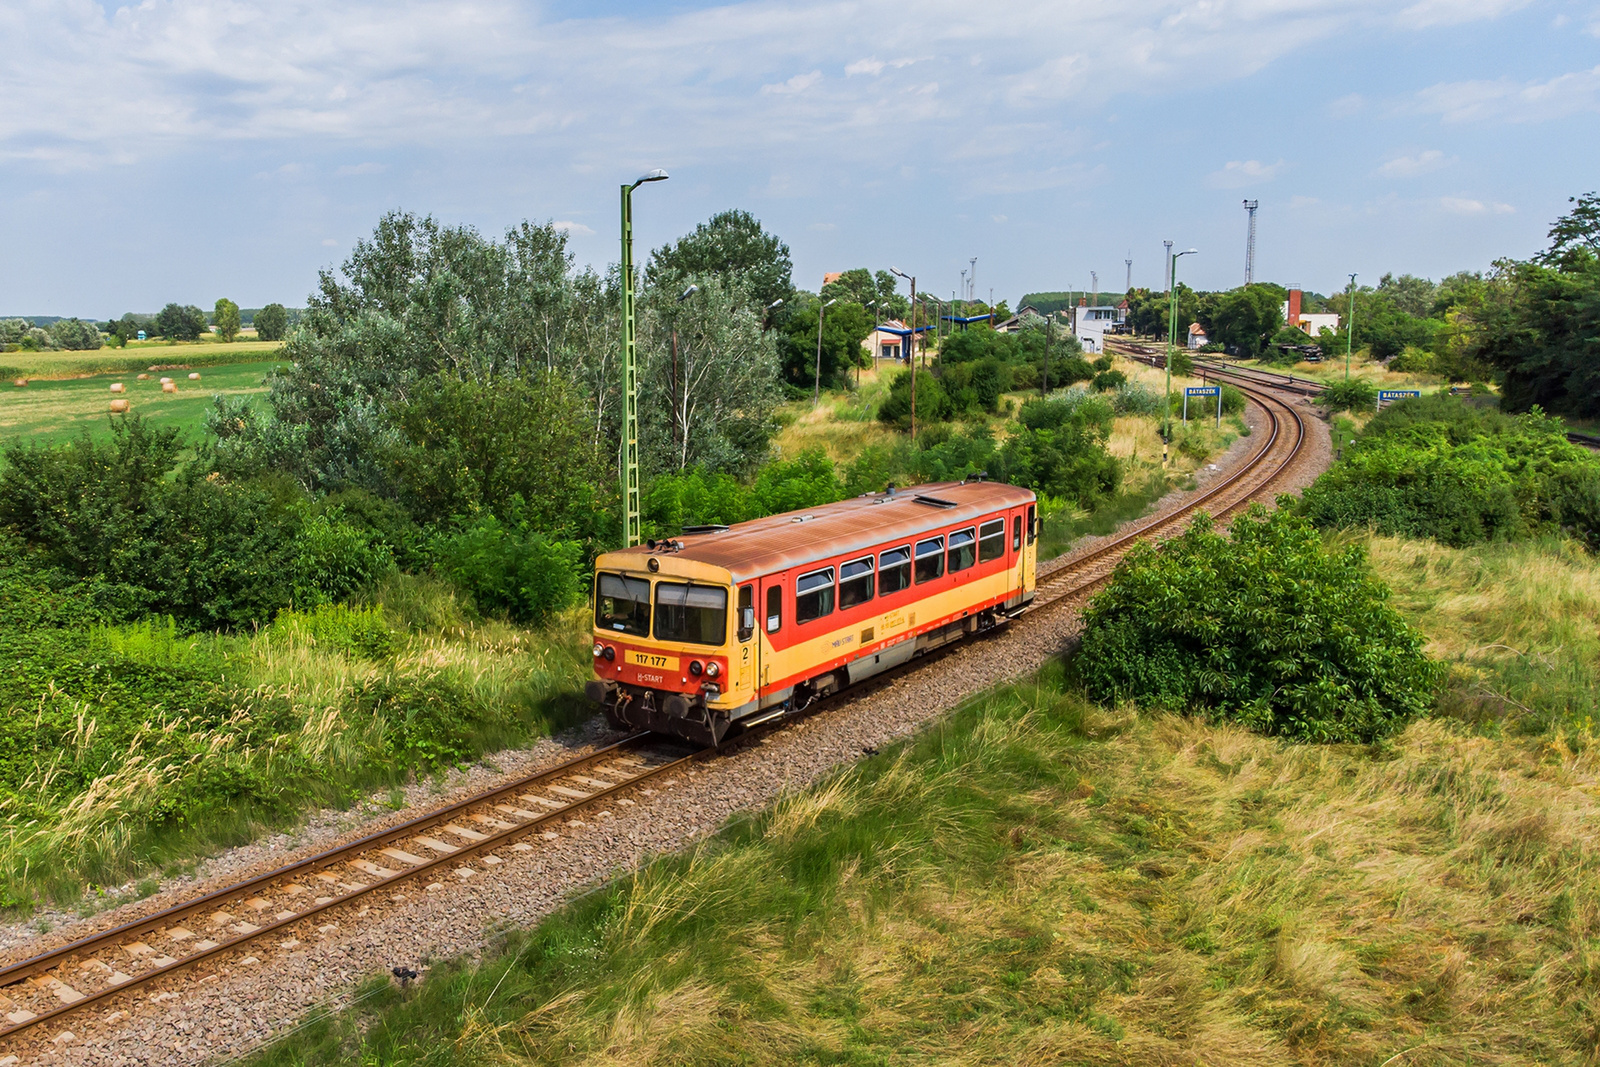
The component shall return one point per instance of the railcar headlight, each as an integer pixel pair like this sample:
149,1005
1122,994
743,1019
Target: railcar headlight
599,650
695,668
610,653
712,670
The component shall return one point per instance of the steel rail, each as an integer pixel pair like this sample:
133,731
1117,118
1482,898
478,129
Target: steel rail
1057,583
93,943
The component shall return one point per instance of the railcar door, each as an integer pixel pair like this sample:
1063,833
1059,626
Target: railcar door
1030,550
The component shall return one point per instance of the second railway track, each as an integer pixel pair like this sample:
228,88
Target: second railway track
272,911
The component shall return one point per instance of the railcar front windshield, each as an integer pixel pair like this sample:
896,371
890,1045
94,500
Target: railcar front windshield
622,605
694,614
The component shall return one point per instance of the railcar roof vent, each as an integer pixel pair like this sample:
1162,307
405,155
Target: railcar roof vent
803,518
707,528
934,501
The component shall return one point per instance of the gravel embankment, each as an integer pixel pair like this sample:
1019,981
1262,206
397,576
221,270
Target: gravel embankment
223,1008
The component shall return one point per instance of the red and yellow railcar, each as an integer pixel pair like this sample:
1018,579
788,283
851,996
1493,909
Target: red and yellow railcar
726,626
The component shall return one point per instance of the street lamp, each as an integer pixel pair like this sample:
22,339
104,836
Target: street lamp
911,339
1172,348
816,395
630,371
1350,336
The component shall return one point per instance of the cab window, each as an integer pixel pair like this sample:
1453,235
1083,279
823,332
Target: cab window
746,621
1016,533
694,614
622,605
813,595
774,608
991,541
894,570
855,583
1033,526
930,559
963,549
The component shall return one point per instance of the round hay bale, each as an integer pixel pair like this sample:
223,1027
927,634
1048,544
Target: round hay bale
21,383
194,376
119,405
166,381
144,377
169,386
116,387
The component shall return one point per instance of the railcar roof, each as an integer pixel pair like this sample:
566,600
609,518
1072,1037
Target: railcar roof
794,538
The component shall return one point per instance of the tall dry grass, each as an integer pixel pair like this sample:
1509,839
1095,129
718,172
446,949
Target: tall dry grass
1037,881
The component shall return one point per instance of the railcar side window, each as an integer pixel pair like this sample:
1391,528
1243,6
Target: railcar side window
696,614
774,608
894,570
813,595
930,559
1033,525
623,605
963,549
1016,533
855,583
991,540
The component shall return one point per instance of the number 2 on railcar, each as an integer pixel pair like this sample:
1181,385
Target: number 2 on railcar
725,627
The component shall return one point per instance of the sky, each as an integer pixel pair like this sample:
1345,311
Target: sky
185,150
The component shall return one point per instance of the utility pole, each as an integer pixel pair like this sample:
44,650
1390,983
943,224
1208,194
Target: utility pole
1350,337
1167,261
630,372
963,290
1250,243
972,280
1128,286
1094,283
911,339
816,395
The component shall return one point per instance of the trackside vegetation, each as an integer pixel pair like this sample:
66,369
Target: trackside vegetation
1038,880
1265,627
1440,468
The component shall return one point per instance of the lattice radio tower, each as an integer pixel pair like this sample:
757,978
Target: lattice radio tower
1250,243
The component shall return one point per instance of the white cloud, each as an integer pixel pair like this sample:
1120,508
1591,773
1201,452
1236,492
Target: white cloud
822,227
797,84
329,242
1000,219
1413,166
1347,106
1504,100
576,228
1429,13
360,169
1237,174
1457,205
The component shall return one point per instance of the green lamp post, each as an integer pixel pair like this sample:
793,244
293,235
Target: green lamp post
630,372
1172,350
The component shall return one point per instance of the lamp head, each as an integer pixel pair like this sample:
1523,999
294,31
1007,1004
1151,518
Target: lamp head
775,303
899,272
1188,252
830,303
687,293
652,176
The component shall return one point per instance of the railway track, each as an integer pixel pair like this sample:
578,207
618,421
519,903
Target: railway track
272,912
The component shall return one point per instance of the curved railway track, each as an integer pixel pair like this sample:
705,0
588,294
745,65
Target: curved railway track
265,913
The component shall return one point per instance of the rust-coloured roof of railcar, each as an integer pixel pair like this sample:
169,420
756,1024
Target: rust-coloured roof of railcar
794,538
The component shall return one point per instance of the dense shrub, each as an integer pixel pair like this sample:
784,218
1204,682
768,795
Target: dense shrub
151,536
1435,467
1131,398
271,322
356,631
76,335
1266,627
1109,379
510,569
1348,394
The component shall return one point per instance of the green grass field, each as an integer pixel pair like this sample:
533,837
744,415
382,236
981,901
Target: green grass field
52,411
138,356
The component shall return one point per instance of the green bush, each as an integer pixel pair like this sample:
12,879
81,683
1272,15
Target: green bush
1266,627
1107,380
510,569
333,560
1435,467
1348,394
